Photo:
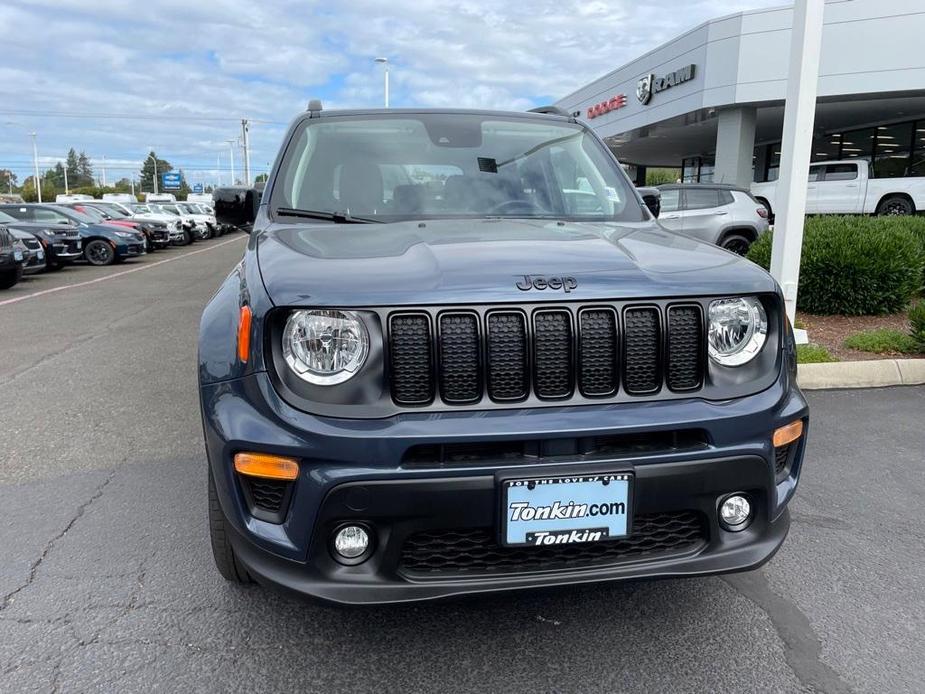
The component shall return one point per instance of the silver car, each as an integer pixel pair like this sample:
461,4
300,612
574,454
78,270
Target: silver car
722,214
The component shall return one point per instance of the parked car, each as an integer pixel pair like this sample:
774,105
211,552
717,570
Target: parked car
205,223
418,390
11,260
32,251
846,187
103,244
155,236
713,212
177,234
156,231
60,238
189,222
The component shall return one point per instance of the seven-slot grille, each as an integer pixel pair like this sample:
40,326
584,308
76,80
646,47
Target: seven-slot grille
507,355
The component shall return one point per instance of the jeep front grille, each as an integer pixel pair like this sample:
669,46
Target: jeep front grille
460,356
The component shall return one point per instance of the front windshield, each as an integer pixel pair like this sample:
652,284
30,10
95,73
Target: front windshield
93,213
420,166
165,210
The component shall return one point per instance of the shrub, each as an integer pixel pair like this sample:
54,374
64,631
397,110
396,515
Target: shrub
917,319
813,354
856,265
882,341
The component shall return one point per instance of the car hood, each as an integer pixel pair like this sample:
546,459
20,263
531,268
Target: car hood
483,261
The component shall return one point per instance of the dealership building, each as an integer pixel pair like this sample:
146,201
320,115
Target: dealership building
711,101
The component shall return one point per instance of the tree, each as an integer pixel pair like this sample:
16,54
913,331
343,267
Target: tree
28,190
56,176
7,181
147,171
261,178
84,170
73,173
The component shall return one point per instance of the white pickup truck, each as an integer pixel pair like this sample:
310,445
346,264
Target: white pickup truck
845,187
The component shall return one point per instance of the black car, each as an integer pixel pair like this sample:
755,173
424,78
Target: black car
11,260
437,370
33,253
60,241
103,243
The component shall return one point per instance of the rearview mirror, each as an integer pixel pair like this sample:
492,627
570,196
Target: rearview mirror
652,197
236,205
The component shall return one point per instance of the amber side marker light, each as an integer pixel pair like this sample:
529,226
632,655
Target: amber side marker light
273,467
788,434
244,334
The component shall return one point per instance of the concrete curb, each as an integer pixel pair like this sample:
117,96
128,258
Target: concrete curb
862,374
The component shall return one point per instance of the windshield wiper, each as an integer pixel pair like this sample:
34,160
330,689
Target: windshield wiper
336,217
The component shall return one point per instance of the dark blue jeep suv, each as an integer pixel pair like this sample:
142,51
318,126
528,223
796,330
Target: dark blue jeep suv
460,355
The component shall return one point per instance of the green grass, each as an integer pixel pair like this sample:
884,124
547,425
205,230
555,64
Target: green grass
813,354
882,341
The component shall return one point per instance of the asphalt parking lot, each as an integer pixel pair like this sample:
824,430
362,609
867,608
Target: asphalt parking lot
107,584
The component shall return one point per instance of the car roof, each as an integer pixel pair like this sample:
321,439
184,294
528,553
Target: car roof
529,115
705,186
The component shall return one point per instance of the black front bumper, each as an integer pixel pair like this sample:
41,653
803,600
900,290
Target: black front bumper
399,512
358,471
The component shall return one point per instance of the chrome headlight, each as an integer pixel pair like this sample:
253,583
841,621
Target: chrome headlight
325,347
738,330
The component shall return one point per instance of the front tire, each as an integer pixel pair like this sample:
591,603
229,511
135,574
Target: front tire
10,277
99,253
895,206
737,243
222,552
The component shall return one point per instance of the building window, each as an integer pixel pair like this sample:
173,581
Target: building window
892,150
858,144
697,170
826,148
917,164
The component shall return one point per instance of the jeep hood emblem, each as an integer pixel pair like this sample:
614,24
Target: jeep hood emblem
541,282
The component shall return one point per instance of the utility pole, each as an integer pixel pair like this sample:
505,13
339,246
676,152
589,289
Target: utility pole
35,165
104,170
247,154
799,117
231,159
133,184
66,189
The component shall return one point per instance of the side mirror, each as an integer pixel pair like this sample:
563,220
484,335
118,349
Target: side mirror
236,205
652,197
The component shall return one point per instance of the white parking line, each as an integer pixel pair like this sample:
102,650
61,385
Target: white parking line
118,274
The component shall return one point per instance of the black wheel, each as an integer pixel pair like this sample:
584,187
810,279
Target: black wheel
222,551
737,243
99,252
203,233
10,277
895,206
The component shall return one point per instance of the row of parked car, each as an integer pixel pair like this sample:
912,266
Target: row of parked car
45,237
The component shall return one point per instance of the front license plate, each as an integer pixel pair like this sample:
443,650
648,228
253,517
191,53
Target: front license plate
565,510
17,255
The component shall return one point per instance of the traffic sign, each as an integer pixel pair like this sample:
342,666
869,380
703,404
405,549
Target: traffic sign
197,188
170,181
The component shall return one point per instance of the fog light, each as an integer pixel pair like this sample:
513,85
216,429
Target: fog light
351,542
735,512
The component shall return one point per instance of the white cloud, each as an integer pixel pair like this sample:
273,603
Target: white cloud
174,61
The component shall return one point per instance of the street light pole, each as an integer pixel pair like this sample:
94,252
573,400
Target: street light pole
66,189
154,159
247,157
385,63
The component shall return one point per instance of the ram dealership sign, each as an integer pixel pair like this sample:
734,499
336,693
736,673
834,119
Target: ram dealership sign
650,84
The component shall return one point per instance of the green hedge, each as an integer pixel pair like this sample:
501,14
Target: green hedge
856,265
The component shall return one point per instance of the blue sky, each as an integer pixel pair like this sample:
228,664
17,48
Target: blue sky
186,73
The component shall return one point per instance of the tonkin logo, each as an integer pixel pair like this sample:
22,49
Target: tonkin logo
644,89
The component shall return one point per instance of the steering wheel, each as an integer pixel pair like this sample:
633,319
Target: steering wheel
511,206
